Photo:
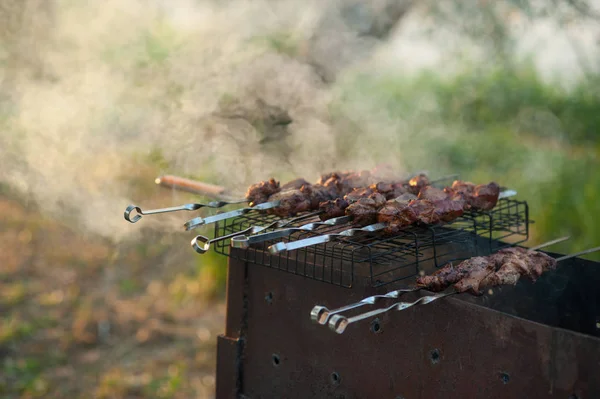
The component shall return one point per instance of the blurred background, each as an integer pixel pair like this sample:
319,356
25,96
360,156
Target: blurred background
97,99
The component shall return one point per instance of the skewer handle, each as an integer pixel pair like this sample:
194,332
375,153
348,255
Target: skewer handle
199,221
339,323
193,186
244,241
321,314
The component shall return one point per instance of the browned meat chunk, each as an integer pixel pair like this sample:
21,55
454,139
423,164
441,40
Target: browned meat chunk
293,202
485,196
448,210
390,190
425,211
417,183
365,210
357,194
318,194
333,208
449,274
432,194
261,191
397,214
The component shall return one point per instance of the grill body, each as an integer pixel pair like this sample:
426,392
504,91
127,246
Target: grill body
537,340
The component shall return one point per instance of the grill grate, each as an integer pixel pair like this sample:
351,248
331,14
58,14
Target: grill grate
380,259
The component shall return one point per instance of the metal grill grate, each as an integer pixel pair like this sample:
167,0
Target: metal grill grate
384,260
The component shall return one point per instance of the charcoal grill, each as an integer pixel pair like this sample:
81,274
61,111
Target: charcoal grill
529,341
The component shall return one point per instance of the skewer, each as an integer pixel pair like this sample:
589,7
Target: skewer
244,241
185,207
308,242
321,314
199,221
201,244
196,222
338,323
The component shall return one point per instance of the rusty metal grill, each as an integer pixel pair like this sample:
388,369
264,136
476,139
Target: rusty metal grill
384,260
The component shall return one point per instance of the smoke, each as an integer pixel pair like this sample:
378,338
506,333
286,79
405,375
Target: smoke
90,87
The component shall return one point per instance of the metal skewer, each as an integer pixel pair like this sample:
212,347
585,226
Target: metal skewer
201,244
338,323
307,242
321,314
243,241
199,221
186,207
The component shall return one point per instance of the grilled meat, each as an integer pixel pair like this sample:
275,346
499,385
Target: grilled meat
501,268
485,196
364,211
333,208
390,190
417,183
261,191
450,274
358,193
397,214
480,197
292,203
318,193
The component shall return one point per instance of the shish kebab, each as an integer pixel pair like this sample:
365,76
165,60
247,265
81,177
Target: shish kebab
201,244
432,206
328,186
506,272
300,196
321,314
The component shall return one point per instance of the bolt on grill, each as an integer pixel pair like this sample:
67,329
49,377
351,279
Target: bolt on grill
383,260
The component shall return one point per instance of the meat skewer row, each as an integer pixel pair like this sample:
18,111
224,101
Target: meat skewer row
257,193
292,201
339,323
321,314
332,195
504,267
406,213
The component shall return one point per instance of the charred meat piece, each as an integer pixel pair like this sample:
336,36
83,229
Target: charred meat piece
357,194
485,196
501,268
480,270
397,214
333,208
417,183
293,202
318,194
345,182
390,190
425,211
365,210
449,274
261,191
432,194
448,210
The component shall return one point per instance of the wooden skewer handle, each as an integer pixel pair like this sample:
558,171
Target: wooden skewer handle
192,186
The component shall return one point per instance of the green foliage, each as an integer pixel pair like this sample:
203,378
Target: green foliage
508,125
